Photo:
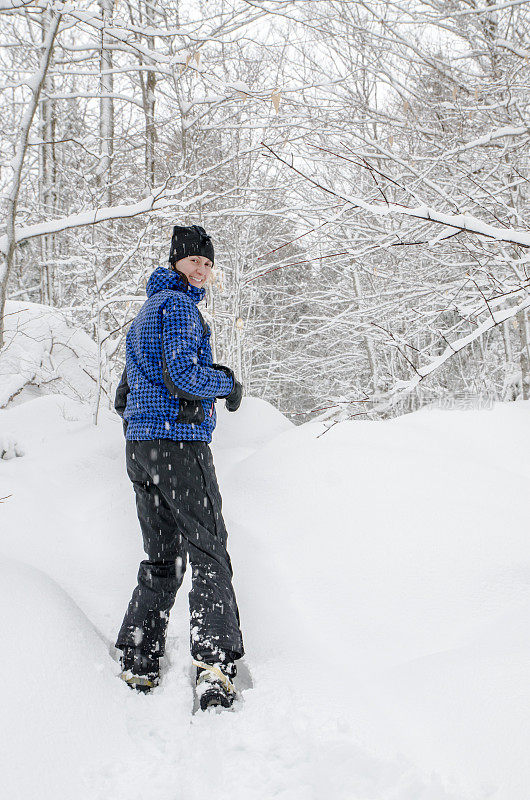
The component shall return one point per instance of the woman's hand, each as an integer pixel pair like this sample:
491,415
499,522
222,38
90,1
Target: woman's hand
233,400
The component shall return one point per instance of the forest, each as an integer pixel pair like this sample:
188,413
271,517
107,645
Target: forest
362,168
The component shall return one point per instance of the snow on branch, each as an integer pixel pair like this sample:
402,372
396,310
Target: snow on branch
463,222
458,222
153,202
519,51
487,9
93,95
13,5
495,318
161,197
499,133
93,20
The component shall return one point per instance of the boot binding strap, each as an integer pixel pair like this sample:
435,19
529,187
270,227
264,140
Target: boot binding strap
218,674
136,680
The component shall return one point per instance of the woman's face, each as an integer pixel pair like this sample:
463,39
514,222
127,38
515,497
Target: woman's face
197,269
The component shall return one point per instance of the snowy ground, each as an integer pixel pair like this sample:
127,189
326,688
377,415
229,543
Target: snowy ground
383,577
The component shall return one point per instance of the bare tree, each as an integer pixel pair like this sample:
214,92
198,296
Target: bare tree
36,83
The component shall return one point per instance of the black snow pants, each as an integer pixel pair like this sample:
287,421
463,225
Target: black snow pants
179,509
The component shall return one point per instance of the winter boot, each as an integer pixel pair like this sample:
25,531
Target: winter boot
140,672
214,683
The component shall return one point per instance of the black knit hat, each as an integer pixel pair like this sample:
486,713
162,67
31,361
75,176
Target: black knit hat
190,241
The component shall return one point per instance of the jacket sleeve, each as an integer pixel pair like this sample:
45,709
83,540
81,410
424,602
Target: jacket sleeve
181,338
120,401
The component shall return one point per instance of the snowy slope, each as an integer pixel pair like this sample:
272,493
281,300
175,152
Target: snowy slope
383,576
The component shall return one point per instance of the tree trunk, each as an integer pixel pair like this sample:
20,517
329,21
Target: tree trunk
37,82
149,107
106,118
368,341
47,192
106,129
524,358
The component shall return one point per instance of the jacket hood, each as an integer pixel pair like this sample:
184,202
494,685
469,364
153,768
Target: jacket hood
163,278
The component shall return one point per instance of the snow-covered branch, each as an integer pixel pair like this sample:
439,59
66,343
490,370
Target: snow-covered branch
154,202
495,318
458,222
14,5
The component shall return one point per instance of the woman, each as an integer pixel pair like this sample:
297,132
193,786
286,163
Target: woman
167,400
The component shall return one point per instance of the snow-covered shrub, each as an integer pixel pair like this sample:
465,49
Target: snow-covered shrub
44,354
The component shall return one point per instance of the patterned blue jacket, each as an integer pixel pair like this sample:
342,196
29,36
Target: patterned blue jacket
171,386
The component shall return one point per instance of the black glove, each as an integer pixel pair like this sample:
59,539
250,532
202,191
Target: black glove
233,400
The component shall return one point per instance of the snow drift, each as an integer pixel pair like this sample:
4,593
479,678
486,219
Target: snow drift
43,354
383,578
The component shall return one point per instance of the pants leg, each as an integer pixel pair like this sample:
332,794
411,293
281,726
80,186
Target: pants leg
214,615
181,476
160,576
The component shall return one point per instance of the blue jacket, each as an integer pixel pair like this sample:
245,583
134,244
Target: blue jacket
171,386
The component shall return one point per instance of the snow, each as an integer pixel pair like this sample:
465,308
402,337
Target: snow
157,200
465,222
43,354
383,576
493,318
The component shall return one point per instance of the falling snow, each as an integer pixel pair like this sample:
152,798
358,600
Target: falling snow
391,556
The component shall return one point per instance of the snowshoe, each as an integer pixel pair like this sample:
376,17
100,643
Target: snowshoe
140,672
214,684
